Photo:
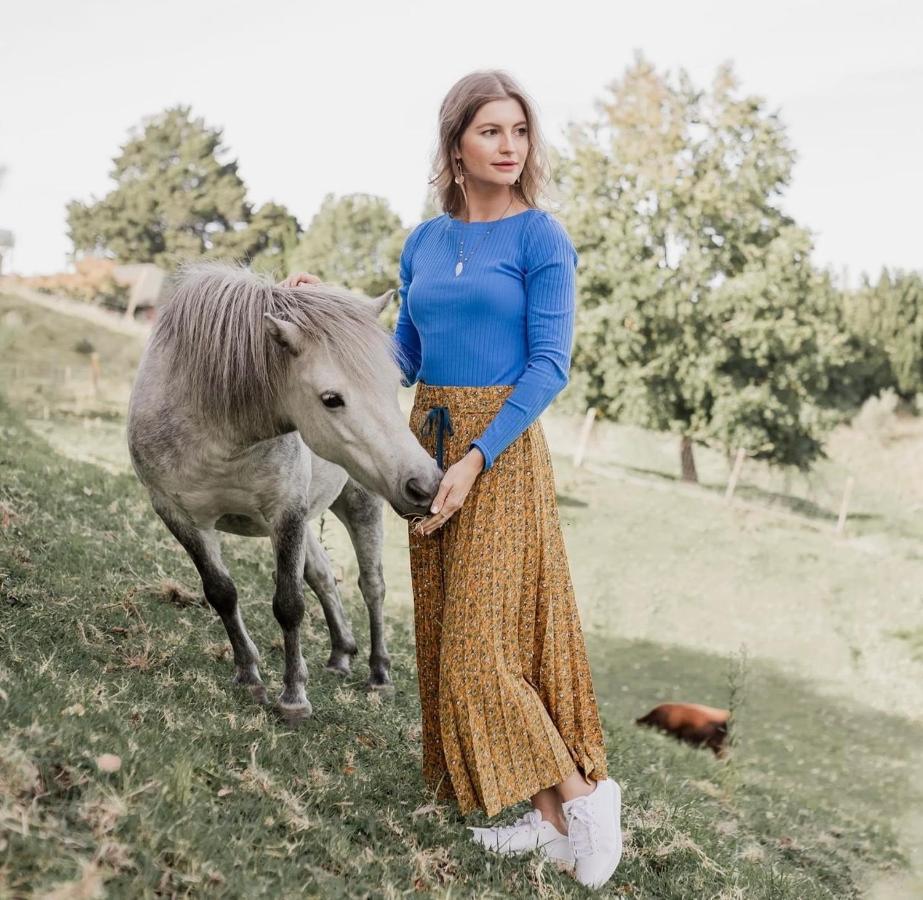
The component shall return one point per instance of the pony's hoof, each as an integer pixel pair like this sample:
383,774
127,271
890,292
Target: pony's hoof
294,715
379,685
339,664
254,685
258,693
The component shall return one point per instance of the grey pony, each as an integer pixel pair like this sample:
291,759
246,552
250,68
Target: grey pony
256,407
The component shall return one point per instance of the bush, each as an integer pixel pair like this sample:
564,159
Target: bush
877,416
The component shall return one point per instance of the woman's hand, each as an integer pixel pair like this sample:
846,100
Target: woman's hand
457,481
299,278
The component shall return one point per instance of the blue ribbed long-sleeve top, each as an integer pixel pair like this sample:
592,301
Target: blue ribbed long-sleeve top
508,318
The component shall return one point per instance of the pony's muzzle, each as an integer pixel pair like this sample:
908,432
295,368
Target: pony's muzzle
419,494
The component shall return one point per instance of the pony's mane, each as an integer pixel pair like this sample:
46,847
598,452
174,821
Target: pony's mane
221,356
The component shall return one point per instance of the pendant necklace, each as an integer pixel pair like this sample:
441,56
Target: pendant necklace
460,265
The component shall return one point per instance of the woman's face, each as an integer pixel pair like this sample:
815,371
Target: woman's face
497,134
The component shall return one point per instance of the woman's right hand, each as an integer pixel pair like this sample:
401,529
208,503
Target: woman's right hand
299,278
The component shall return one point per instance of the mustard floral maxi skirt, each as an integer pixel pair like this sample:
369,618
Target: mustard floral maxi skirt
507,700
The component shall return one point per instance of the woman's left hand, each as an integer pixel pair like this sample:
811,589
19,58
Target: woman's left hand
454,487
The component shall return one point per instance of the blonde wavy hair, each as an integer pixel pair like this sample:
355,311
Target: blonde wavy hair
456,113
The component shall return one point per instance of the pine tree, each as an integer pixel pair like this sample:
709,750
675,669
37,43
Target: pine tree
177,198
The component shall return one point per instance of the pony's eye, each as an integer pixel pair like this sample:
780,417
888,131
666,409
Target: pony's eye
332,399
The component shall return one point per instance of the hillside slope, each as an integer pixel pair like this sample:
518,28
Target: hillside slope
105,652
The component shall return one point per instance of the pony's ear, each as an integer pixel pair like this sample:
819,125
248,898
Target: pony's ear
285,334
379,303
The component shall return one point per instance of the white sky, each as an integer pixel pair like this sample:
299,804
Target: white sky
343,96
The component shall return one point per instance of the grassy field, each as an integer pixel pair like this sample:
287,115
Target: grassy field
106,651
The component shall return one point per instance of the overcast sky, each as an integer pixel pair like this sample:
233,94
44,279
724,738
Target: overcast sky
343,96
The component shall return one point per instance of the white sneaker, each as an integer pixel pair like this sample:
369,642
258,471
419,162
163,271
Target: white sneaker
528,832
595,833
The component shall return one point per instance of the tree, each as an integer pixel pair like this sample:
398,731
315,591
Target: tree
176,199
780,370
355,241
272,237
887,320
697,297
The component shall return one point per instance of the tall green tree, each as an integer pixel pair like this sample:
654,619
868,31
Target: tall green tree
780,366
698,302
176,197
354,240
886,319
271,238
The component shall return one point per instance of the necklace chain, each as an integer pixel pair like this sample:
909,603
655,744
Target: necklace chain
460,265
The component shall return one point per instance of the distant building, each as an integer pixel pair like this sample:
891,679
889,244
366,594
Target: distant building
7,242
148,283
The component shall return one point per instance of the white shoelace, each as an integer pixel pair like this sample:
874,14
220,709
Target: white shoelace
503,834
533,819
582,828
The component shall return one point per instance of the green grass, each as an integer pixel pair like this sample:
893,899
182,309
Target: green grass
100,653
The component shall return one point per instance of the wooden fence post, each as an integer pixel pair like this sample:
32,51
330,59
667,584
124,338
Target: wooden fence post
584,438
735,474
844,505
94,372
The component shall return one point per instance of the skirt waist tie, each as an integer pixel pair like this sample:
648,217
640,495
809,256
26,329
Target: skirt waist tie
439,418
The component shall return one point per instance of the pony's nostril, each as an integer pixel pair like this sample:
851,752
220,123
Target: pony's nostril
415,491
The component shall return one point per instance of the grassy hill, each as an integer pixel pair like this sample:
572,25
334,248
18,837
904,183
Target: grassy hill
106,649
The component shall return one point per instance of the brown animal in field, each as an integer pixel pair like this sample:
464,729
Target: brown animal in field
691,722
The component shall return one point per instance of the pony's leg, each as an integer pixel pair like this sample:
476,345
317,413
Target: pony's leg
360,511
318,573
204,549
289,532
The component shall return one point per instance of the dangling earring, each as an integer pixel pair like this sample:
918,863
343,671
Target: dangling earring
459,178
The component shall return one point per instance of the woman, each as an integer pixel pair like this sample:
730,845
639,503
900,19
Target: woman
485,328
